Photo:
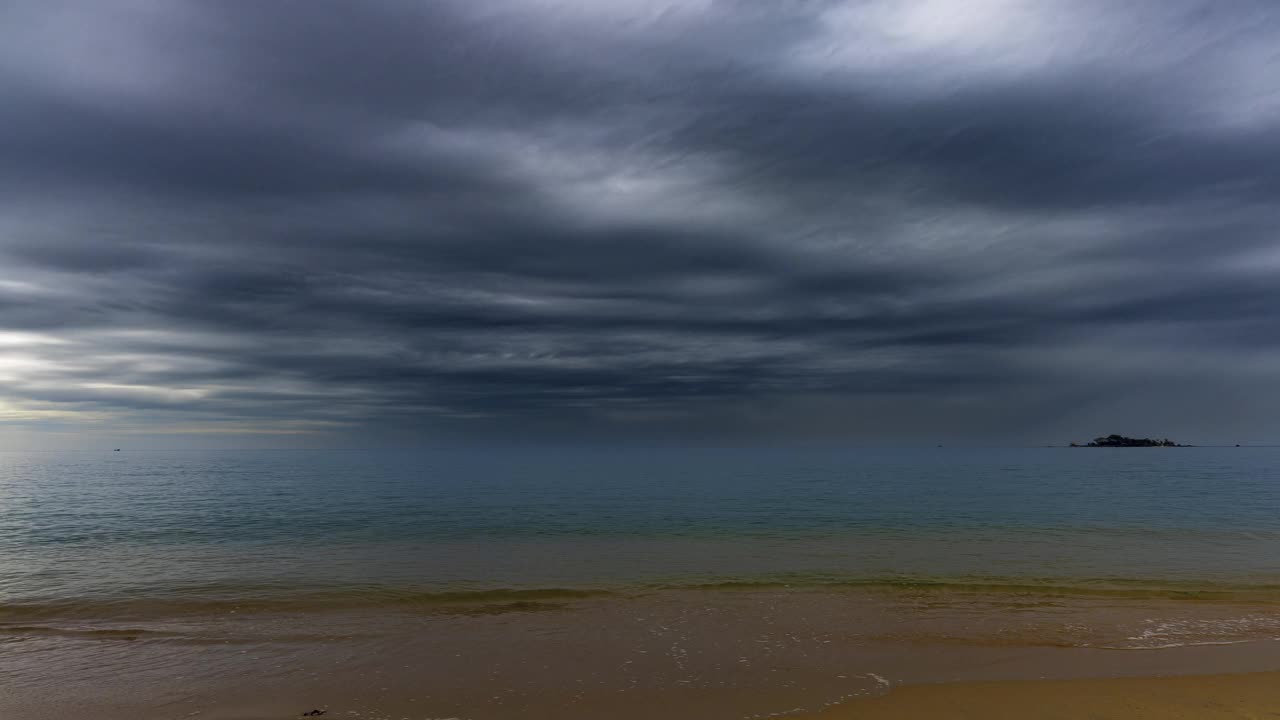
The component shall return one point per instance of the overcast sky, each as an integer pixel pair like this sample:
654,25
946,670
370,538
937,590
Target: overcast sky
317,223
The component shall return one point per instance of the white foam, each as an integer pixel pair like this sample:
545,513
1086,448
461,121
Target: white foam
1166,646
881,682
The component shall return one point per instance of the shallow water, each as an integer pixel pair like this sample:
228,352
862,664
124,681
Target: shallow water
78,526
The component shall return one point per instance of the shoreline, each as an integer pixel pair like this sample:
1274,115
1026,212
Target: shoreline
211,599
1181,697
711,654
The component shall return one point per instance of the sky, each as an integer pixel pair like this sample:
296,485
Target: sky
312,223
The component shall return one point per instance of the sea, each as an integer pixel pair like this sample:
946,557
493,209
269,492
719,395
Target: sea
551,582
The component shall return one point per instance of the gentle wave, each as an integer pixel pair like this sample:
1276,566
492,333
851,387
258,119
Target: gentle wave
1171,645
197,635
1136,588
87,633
208,600
232,601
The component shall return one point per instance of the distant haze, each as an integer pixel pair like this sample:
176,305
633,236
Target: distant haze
336,224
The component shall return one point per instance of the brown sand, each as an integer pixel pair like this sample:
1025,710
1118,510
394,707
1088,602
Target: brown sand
680,655
1252,696
1198,697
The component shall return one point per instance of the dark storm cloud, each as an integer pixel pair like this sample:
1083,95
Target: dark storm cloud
1039,145
841,220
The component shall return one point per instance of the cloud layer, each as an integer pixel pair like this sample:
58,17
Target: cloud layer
718,221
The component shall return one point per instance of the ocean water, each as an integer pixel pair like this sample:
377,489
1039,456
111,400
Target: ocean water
135,526
626,584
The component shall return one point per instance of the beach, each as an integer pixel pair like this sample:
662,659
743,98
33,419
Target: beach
1194,697
1198,697
722,652
728,585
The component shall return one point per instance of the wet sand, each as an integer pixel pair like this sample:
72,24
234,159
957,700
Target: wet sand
1254,696
682,655
1200,697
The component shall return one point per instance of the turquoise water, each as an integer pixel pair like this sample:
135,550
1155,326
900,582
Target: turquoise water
146,527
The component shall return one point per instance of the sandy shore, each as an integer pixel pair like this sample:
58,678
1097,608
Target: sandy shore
680,654
1194,697
1254,696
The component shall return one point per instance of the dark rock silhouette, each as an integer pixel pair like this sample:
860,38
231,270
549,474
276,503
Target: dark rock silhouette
1122,441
